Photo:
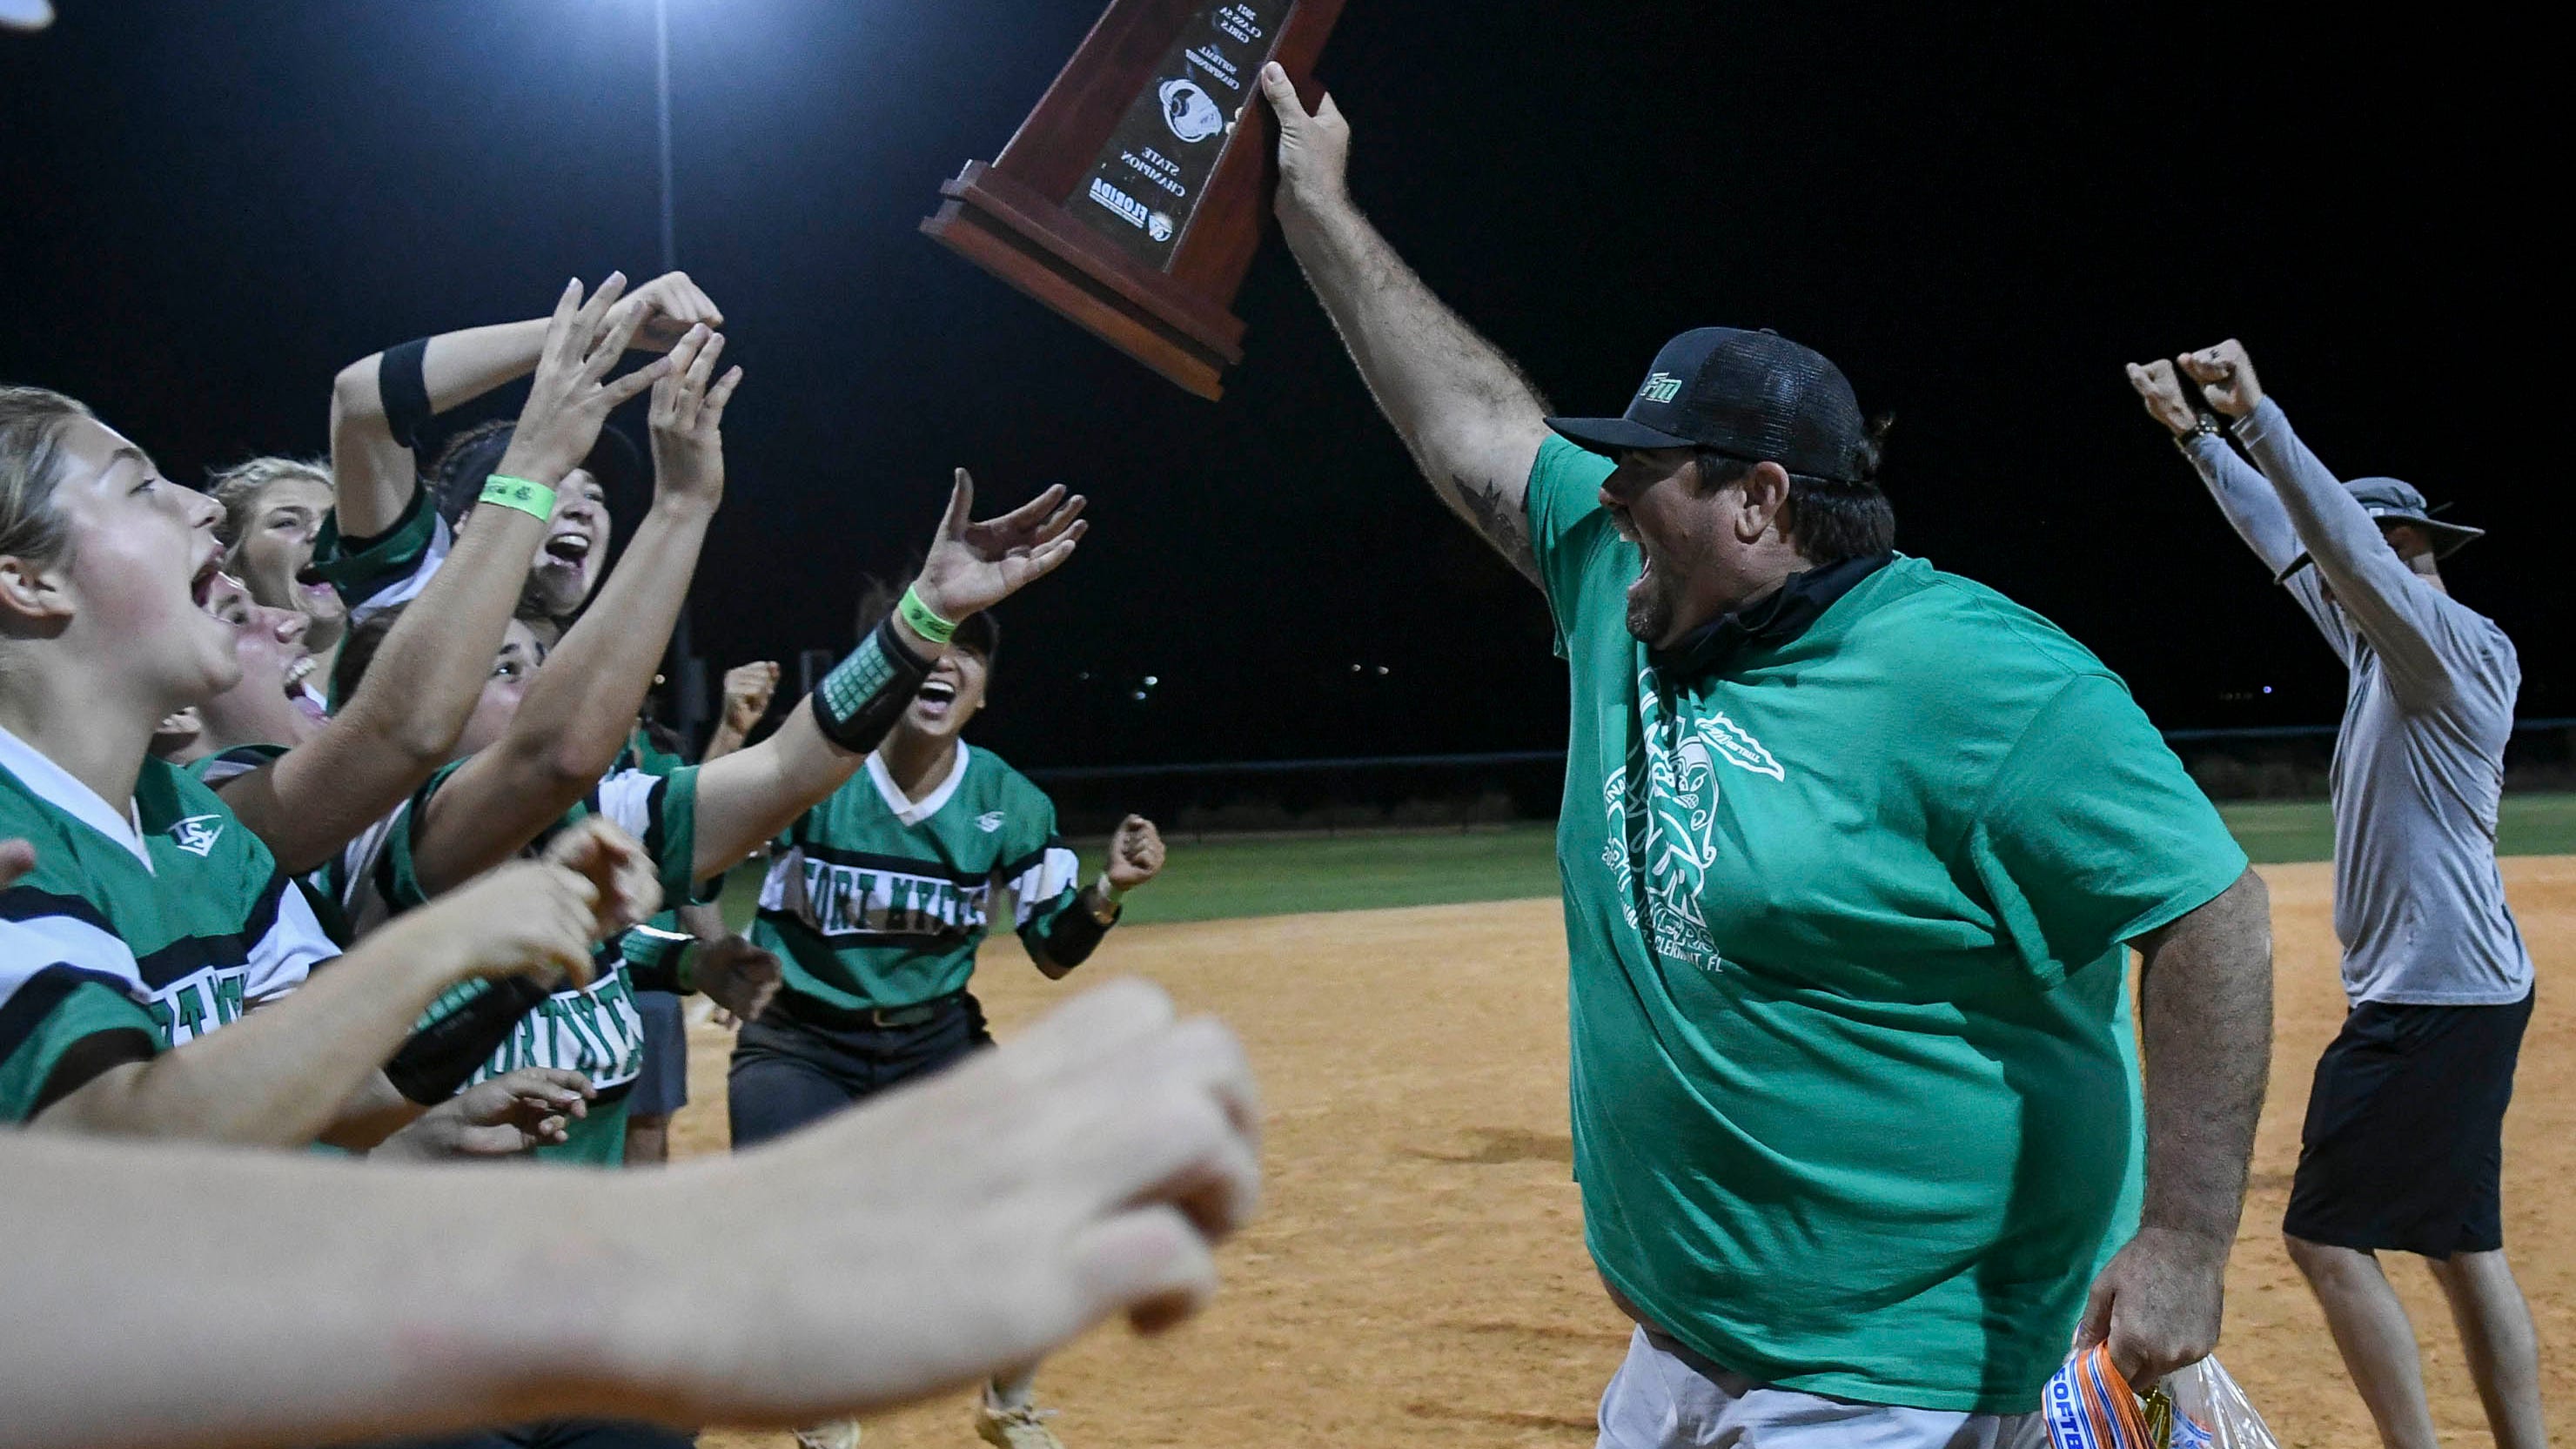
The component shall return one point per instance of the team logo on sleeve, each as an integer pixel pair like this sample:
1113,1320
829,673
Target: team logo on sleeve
989,821
197,834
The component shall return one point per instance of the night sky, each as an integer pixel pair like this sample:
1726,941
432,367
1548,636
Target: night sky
1980,213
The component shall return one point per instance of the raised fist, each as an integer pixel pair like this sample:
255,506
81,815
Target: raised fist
1135,853
2226,377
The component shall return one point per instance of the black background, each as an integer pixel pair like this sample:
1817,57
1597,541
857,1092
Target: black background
1980,212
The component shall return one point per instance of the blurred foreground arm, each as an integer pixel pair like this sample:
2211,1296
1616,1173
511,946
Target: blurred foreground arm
2205,1018
944,1232
1471,420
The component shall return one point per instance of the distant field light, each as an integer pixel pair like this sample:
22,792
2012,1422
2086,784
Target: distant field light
1381,669
26,14
1152,679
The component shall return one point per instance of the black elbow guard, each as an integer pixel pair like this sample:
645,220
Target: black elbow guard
1075,934
866,693
433,1065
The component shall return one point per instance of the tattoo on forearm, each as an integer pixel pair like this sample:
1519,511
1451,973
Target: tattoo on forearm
1498,519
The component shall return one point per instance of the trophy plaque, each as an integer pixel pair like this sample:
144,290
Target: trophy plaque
1132,199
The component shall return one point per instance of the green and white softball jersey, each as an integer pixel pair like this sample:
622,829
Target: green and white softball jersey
1854,1096
594,1030
139,930
374,574
874,901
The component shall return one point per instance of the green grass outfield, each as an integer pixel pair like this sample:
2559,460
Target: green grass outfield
1219,878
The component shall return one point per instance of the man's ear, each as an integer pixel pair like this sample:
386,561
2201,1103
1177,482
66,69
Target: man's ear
32,600
1765,502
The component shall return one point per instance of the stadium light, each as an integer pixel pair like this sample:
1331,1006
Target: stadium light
29,14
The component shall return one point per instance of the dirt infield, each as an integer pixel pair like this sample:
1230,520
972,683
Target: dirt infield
1418,1276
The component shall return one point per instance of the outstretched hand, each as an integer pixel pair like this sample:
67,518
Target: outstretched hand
572,395
510,1113
688,420
2226,377
972,566
2162,390
1314,148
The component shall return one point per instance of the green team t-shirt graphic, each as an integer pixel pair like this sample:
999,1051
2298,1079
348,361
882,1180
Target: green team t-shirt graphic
874,901
152,927
594,1030
1854,1094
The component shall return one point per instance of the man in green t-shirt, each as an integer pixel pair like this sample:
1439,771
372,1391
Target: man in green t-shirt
1853,850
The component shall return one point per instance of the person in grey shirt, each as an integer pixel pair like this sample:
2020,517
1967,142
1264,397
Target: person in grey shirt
2403,1144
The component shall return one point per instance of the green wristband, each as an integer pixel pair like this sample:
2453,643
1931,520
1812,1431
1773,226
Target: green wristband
533,499
924,623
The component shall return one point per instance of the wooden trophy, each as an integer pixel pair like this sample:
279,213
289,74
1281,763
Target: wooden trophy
1134,196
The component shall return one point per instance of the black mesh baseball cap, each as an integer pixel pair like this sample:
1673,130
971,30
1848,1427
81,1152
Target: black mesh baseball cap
1752,395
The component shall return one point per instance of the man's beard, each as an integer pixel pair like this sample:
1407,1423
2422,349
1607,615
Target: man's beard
1650,610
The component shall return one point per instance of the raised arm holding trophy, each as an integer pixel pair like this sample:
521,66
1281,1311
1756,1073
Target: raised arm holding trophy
1133,197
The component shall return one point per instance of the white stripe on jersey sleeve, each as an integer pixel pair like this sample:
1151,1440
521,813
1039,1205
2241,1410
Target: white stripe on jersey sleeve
28,947
783,888
1041,883
408,587
362,904
294,945
625,799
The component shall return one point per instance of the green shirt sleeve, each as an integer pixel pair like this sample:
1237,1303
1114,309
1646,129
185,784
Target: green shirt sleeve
1568,527
56,1010
2091,834
400,875
365,570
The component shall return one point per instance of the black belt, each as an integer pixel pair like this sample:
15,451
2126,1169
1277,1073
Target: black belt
865,1018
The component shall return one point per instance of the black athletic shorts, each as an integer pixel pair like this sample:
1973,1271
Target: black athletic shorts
2404,1142
663,1086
